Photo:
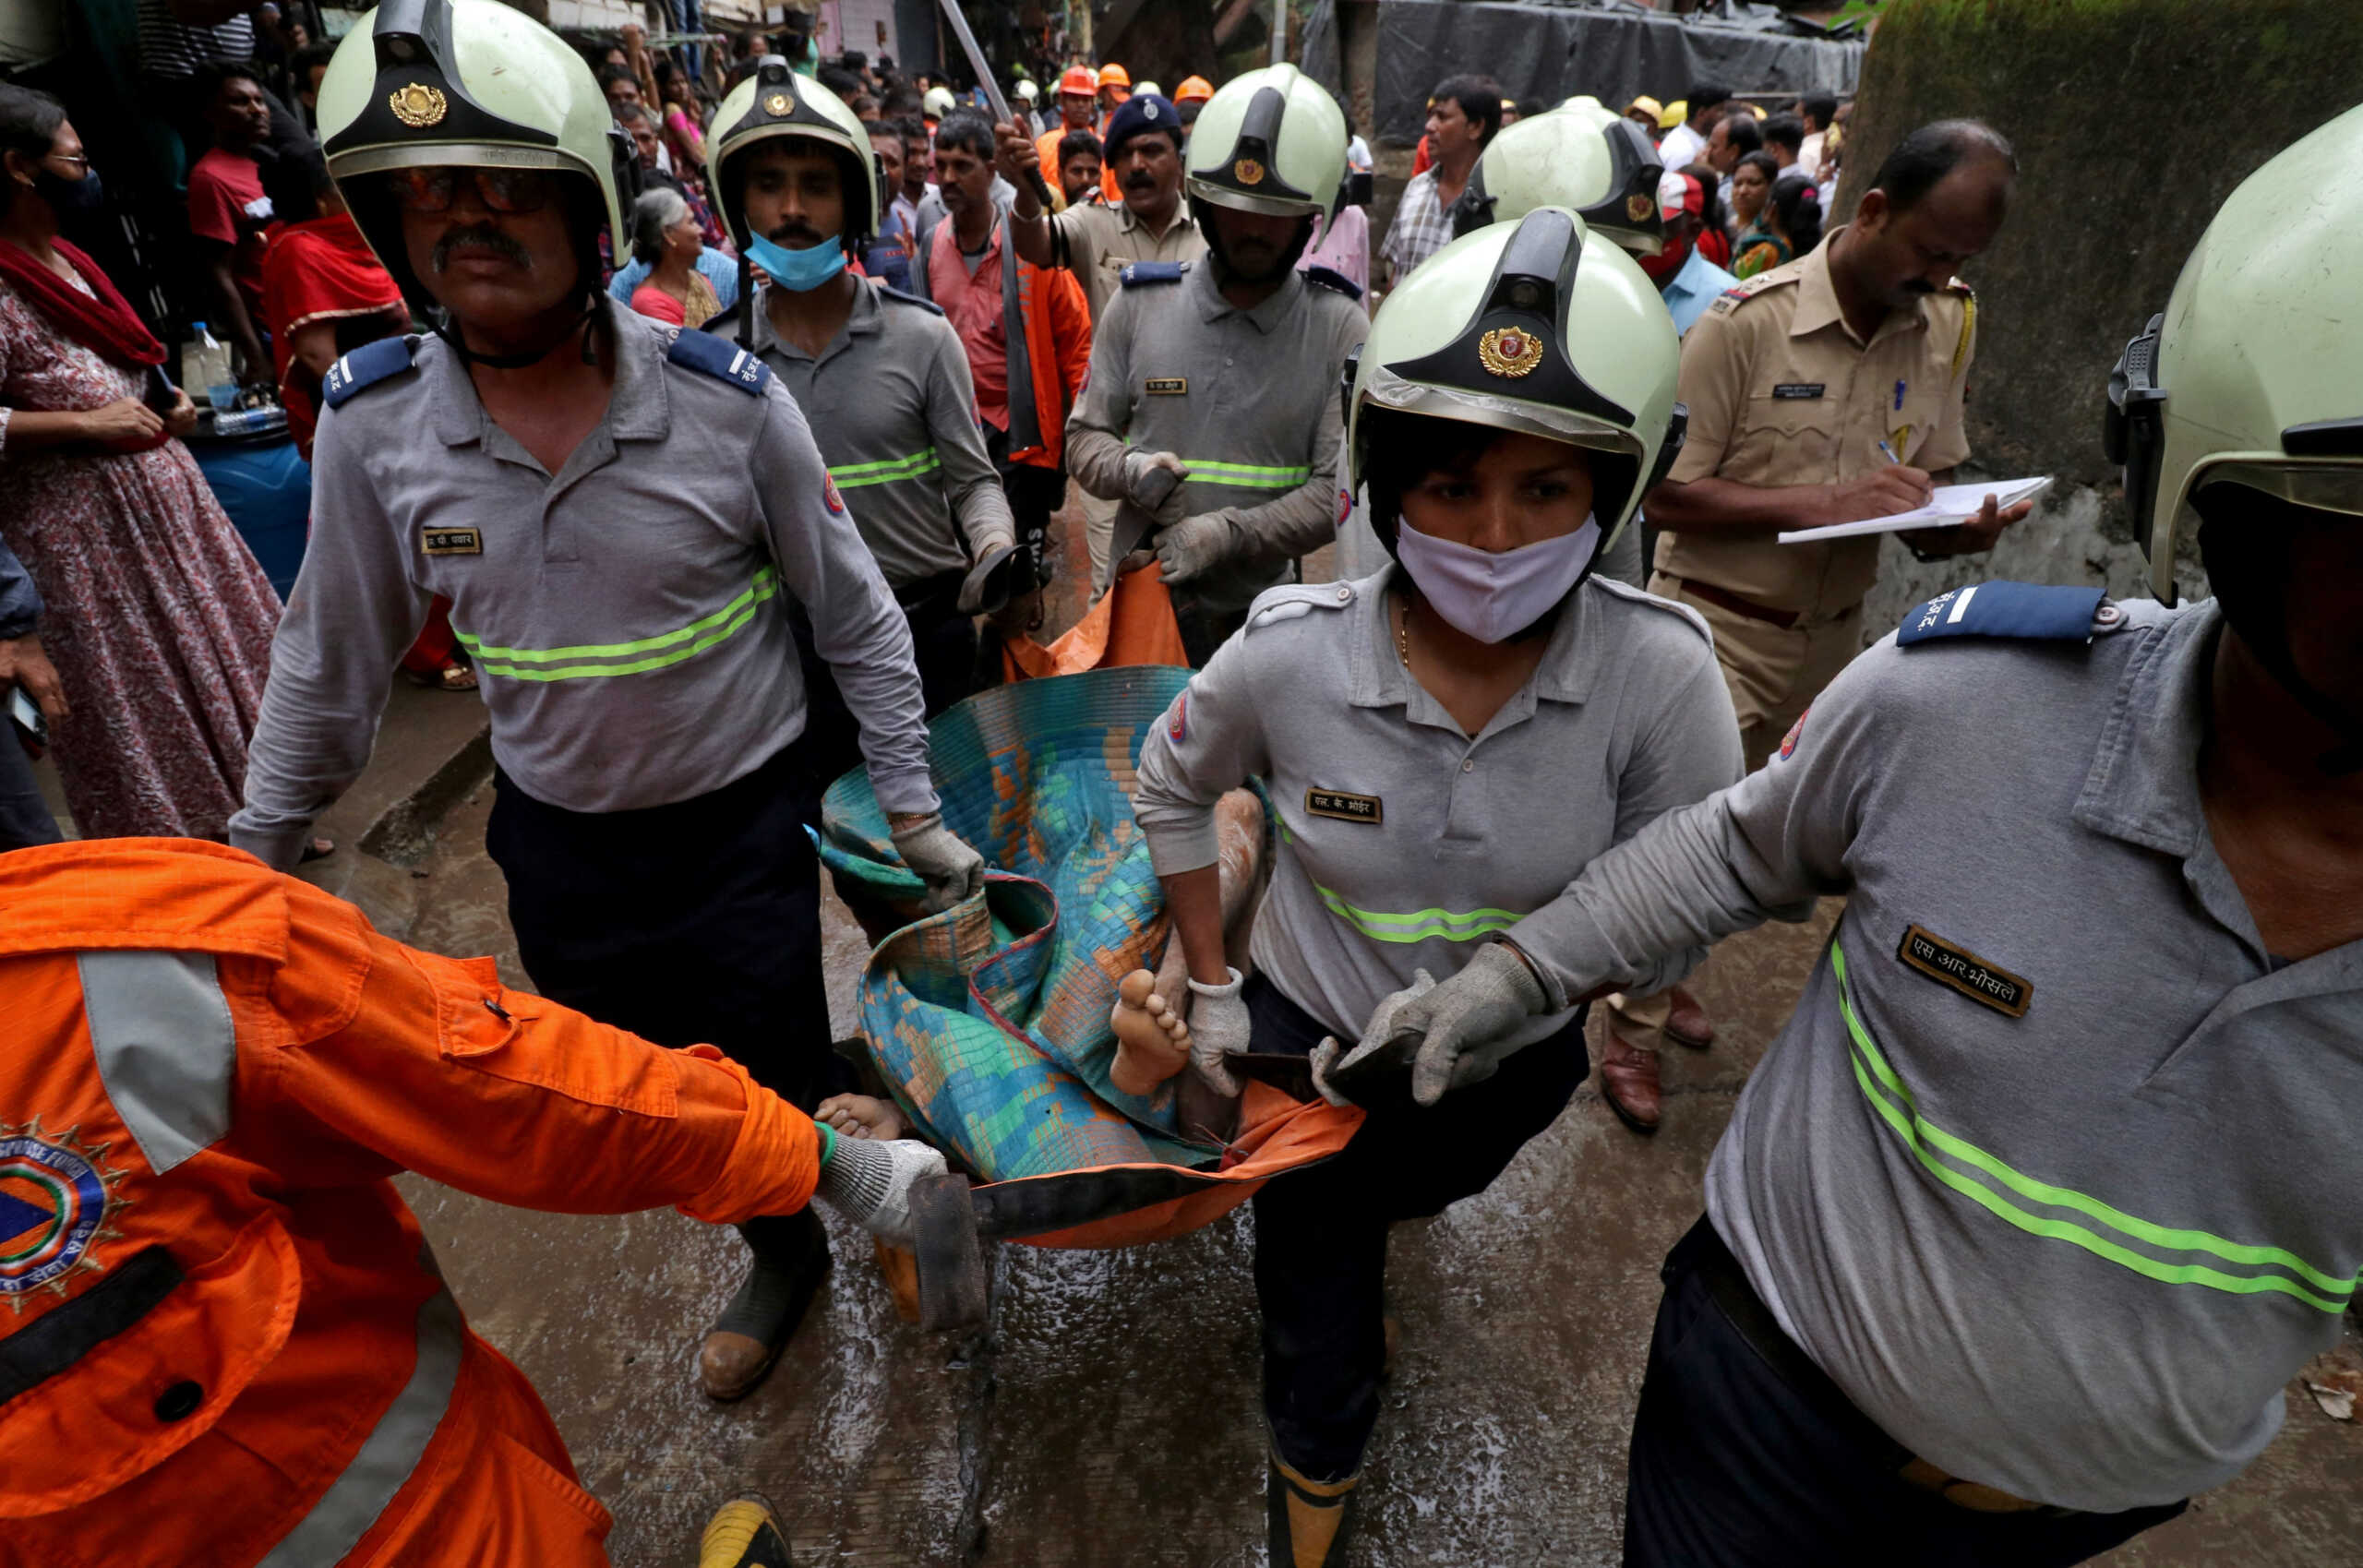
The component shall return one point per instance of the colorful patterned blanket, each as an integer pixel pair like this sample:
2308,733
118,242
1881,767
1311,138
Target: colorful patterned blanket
989,1021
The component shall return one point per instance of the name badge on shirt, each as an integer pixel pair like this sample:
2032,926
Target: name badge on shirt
450,542
1166,385
1792,391
1345,808
1965,972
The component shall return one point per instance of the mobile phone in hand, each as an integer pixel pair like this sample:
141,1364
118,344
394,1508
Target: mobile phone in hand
25,716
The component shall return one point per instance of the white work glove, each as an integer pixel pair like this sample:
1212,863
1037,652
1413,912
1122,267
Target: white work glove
1193,547
1218,1028
953,869
1464,1021
1380,1027
870,1183
1153,483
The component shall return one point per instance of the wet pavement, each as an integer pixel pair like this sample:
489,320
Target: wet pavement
1108,1413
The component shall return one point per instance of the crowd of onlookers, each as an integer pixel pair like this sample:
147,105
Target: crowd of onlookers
157,621
1763,173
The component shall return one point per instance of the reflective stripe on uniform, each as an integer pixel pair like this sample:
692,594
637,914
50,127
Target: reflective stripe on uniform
161,1030
353,1501
1982,1181
1412,925
652,652
854,475
1419,925
1245,476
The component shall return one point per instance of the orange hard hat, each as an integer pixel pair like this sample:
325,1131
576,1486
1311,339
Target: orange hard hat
1078,79
1193,89
1113,75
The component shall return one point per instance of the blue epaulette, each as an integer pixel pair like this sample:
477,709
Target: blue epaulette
2023,611
365,366
893,292
1141,272
722,359
1330,278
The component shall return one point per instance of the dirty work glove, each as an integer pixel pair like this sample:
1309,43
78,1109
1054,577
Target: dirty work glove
999,571
1327,1055
1217,1028
870,1182
1193,547
953,869
1152,480
1463,1023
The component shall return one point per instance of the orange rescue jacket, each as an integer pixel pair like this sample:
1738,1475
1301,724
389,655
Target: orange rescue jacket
222,1339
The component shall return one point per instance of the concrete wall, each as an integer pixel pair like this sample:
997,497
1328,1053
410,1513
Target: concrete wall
2133,120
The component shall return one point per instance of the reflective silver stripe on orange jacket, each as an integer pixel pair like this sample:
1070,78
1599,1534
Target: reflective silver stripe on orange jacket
166,1049
344,1512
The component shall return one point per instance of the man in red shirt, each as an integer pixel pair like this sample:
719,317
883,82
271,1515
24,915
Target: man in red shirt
229,216
1027,382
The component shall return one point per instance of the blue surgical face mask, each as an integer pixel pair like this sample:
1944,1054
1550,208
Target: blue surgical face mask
799,271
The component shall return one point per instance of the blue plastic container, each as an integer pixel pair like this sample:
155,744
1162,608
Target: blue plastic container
267,490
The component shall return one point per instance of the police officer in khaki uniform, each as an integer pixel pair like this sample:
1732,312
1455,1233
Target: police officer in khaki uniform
1825,391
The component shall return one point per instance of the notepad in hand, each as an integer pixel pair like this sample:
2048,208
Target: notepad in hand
1952,505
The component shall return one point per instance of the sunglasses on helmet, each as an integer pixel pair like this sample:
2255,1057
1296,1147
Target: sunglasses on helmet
500,190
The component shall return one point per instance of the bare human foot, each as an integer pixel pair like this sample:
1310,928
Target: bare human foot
859,1116
1152,1042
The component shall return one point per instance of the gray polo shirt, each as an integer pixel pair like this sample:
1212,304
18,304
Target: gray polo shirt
625,617
1404,842
1097,241
894,415
1248,398
2055,1171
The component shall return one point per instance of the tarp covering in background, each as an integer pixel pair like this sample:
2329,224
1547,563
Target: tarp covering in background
1545,53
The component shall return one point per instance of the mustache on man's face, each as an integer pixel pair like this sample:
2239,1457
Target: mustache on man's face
479,236
796,229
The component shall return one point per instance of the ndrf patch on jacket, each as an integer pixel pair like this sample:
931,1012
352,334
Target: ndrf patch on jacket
56,1199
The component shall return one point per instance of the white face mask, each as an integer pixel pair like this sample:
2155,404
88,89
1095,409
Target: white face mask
1489,595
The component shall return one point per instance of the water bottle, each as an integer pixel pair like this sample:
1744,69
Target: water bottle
208,365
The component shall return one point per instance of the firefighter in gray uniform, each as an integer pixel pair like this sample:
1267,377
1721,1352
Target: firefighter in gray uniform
882,381
616,511
1419,731
2050,1184
1211,411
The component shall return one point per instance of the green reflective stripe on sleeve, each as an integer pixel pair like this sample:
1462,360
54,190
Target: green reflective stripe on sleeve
668,648
1245,476
854,475
1895,1105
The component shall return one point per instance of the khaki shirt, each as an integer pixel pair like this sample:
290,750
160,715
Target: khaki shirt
1781,393
1097,241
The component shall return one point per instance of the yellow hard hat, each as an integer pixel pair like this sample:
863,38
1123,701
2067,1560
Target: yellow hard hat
1645,105
1674,113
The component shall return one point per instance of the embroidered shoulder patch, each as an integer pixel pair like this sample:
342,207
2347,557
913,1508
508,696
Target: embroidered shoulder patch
722,359
2020,610
56,1196
1141,272
365,367
1788,741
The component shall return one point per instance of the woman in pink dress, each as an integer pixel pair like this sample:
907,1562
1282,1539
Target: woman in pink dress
159,622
